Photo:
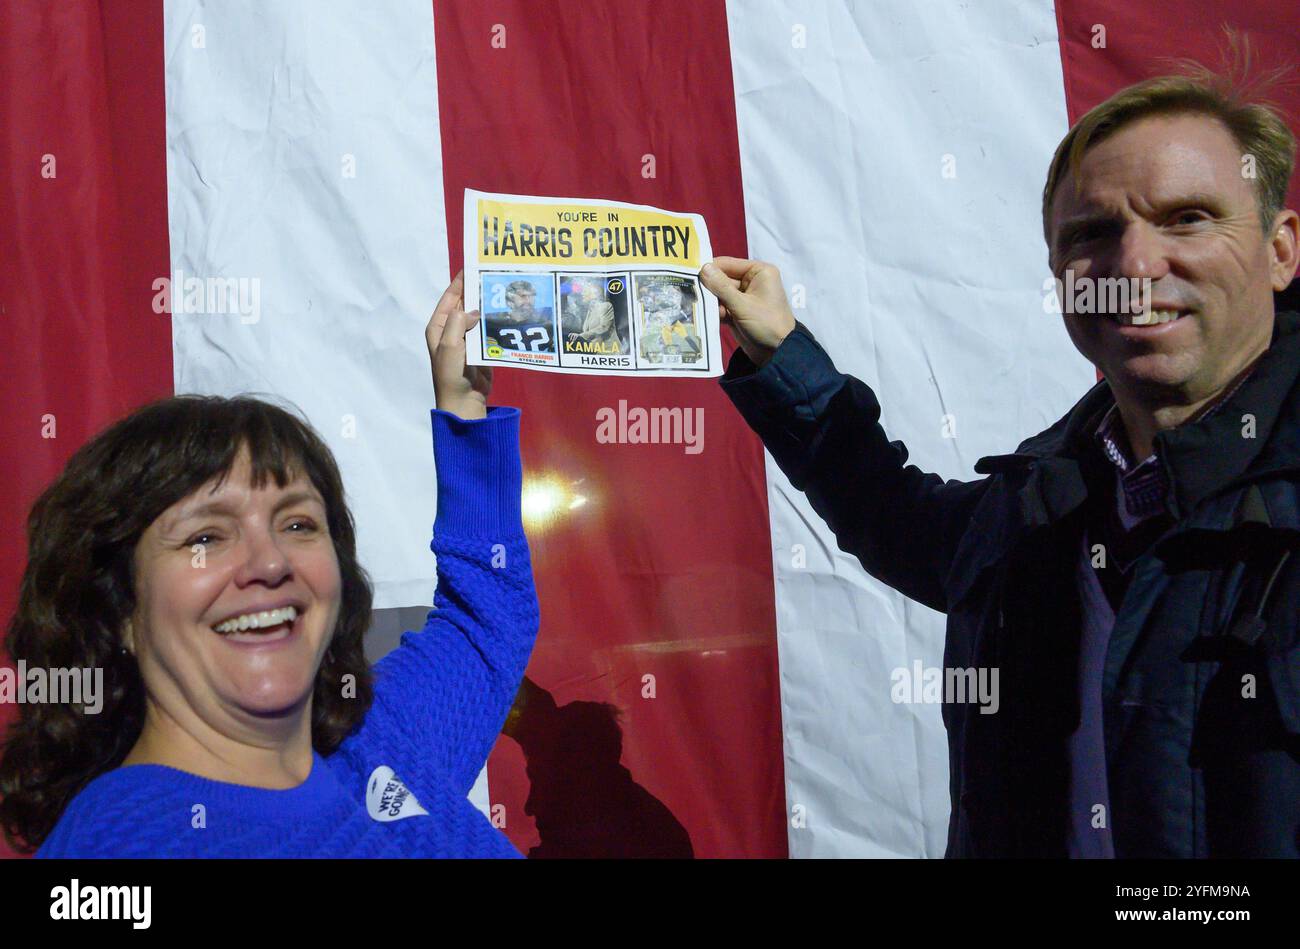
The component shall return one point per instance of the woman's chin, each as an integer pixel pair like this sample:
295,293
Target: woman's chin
267,680
270,696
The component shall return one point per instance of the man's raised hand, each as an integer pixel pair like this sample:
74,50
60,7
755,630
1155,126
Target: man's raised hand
752,301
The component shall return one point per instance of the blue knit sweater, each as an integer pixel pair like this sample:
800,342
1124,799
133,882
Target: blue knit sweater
398,785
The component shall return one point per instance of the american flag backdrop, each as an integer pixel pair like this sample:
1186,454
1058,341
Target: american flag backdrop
712,674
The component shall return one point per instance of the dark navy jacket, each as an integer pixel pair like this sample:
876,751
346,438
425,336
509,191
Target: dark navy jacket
1201,688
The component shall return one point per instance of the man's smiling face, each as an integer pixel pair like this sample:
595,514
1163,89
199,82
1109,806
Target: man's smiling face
1165,199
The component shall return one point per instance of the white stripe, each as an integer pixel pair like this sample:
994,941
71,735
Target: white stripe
927,288
261,120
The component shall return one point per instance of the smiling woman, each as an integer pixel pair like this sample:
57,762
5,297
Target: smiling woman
202,554
269,588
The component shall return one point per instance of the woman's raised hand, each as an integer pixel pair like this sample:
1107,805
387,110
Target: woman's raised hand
457,388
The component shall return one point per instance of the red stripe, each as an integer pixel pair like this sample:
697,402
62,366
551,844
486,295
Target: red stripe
667,572
79,339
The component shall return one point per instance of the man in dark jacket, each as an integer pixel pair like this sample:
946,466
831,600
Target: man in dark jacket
1133,572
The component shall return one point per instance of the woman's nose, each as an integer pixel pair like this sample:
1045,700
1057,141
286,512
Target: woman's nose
264,560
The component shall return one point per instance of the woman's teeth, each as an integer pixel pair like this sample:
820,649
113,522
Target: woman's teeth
1146,318
264,620
280,632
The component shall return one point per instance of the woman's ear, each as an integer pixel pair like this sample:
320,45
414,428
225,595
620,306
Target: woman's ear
128,636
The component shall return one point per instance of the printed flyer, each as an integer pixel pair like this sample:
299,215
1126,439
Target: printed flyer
582,285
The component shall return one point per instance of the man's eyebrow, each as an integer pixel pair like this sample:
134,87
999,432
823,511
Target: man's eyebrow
1162,202
1162,205
1069,227
1195,197
1095,217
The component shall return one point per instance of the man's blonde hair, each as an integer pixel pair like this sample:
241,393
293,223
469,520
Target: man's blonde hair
1232,97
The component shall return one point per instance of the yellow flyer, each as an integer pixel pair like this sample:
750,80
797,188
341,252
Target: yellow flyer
583,285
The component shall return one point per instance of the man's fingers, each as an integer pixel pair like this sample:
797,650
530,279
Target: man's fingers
723,286
748,272
735,267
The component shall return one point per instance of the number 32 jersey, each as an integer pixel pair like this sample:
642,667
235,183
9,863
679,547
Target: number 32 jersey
533,335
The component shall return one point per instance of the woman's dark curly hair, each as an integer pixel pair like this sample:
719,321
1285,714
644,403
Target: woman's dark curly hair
78,589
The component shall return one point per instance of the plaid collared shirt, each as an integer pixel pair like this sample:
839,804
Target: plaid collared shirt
1144,487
